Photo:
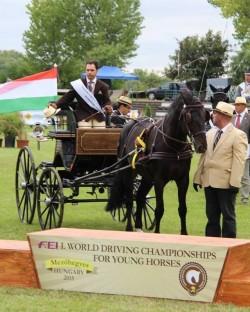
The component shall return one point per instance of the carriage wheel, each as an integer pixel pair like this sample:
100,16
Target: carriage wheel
25,185
50,199
148,213
119,214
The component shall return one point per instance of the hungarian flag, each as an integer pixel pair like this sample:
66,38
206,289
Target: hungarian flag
29,93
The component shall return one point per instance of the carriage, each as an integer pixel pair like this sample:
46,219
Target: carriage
83,158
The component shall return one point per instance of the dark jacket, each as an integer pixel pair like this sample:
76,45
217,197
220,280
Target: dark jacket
83,110
244,125
118,119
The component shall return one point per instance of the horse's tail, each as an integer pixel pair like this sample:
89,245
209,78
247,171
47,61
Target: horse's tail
120,190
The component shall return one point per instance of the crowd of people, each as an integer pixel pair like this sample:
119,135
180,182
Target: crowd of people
223,170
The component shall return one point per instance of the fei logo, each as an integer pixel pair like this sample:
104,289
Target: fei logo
48,245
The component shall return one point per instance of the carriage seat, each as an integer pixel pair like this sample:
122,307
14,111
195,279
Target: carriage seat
97,141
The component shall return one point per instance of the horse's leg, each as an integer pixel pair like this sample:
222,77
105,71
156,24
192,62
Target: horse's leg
141,194
128,187
182,186
159,210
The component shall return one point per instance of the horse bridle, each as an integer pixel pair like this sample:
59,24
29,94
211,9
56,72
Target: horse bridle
187,116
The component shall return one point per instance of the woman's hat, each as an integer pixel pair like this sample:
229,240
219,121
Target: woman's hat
240,100
124,100
224,108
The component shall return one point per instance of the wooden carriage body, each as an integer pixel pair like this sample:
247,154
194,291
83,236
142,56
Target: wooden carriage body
81,150
83,158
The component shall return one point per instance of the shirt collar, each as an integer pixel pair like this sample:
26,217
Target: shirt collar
94,80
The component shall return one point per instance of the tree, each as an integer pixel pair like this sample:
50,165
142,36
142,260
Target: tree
239,11
199,58
13,65
147,79
69,32
240,63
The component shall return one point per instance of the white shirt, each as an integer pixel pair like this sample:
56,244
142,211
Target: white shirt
93,82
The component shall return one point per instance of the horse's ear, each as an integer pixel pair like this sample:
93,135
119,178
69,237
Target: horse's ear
207,115
227,88
212,88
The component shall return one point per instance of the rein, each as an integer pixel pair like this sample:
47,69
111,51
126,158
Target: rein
186,151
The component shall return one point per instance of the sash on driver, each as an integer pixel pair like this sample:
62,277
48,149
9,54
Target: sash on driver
86,95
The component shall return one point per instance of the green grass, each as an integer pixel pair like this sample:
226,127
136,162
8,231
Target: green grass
93,216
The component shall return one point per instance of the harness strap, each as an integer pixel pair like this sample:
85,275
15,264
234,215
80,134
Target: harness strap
172,156
140,146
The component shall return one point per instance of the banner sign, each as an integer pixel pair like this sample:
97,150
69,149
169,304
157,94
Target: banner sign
127,263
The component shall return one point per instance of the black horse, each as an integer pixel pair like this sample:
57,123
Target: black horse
167,156
219,94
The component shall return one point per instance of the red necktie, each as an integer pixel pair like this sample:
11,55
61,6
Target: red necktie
237,124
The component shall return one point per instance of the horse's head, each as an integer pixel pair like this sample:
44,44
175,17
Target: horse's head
194,117
219,94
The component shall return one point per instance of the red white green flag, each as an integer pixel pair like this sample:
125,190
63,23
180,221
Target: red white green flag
29,93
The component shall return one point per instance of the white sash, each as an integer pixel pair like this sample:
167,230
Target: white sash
86,95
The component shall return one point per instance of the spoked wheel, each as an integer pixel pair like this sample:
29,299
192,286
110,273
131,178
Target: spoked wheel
25,185
148,212
119,214
50,199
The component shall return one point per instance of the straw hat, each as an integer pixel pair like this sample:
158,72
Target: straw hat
49,111
240,100
125,101
224,108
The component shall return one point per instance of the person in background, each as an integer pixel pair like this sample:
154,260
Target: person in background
243,88
241,120
92,97
120,116
220,170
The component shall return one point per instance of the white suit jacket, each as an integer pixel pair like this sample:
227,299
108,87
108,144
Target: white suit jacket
223,166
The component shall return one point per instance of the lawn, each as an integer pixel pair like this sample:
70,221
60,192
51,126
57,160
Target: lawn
93,216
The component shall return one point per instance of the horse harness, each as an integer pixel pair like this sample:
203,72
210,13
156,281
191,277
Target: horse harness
185,152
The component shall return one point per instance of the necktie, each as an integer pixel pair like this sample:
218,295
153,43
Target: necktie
217,137
237,123
90,86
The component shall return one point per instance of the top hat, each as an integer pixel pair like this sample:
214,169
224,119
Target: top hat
224,108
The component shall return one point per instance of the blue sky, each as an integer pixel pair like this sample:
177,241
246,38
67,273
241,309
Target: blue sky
165,22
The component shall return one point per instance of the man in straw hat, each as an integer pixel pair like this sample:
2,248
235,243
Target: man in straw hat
92,97
220,170
241,120
120,116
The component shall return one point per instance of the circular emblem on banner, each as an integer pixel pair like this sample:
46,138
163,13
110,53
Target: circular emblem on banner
193,277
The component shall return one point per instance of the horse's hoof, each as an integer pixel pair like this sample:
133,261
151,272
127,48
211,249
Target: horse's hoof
138,230
129,229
